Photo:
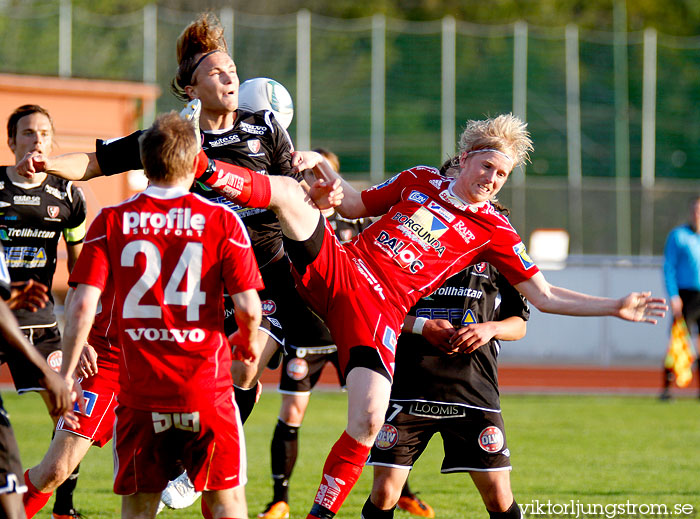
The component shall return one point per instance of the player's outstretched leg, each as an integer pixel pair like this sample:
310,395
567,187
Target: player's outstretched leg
368,399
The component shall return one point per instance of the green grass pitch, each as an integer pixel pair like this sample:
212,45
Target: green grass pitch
583,449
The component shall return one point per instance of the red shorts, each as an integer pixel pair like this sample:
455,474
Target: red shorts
349,298
100,393
149,447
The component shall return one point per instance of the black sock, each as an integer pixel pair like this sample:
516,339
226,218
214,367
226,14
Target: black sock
512,513
370,511
245,399
406,490
63,505
283,456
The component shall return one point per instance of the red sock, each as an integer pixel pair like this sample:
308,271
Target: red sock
340,473
33,499
206,513
242,185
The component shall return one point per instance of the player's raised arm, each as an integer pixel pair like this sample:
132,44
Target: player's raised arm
71,166
637,306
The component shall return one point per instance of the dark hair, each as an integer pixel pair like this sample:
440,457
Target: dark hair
168,148
203,36
452,163
23,111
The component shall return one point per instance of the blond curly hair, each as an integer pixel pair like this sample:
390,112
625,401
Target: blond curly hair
505,133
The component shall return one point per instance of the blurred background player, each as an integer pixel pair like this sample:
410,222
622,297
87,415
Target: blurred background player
446,381
173,253
11,480
35,214
682,278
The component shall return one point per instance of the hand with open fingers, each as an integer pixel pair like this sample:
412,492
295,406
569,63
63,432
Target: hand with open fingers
87,365
473,336
641,307
28,295
241,349
326,195
302,160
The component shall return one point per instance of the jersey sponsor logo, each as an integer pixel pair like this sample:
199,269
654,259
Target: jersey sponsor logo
268,307
57,193
458,292
424,227
5,204
385,183
520,251
436,183
275,322
388,437
54,360
166,334
254,145
480,267
177,221
53,210
436,410
469,318
369,277
30,233
453,200
406,255
253,128
297,369
418,197
224,141
463,231
26,200
438,209
25,257
491,439
454,315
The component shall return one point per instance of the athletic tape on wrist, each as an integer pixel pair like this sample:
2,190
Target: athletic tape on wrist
418,325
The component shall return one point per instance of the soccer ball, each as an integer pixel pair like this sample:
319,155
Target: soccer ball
263,93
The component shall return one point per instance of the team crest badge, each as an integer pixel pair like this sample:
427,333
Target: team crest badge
480,267
254,145
53,211
491,439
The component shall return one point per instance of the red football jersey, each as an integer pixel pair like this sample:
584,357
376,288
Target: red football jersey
427,234
171,254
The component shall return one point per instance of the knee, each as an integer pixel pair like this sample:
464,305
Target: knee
364,427
384,495
498,500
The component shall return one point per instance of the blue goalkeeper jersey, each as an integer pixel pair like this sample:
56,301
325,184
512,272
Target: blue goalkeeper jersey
682,260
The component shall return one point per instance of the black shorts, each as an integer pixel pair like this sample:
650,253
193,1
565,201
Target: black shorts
691,309
11,475
473,440
291,321
26,375
302,367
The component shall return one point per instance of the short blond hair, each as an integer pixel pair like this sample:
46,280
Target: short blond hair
505,133
168,148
